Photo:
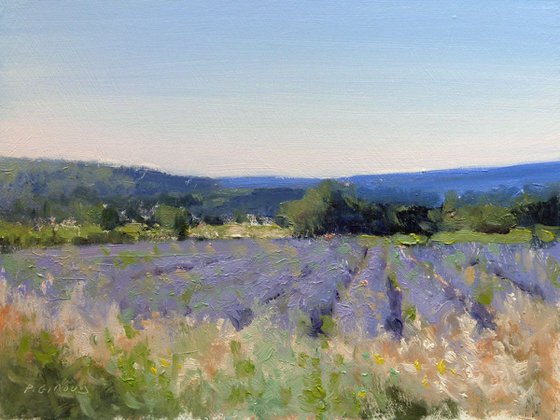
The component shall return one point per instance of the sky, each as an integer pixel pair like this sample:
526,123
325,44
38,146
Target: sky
289,88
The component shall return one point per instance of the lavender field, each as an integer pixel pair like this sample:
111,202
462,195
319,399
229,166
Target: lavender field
227,326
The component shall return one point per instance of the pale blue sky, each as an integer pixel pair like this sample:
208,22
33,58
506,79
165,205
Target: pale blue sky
306,88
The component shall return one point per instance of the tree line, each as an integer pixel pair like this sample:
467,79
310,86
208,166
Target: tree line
334,207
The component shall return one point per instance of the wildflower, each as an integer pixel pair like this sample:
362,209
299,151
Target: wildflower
441,367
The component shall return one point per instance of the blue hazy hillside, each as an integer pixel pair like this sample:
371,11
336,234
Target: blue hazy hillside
428,187
25,179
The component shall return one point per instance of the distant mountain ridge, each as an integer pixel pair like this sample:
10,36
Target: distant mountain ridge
427,187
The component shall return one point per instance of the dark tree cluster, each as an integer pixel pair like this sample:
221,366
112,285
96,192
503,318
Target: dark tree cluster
334,207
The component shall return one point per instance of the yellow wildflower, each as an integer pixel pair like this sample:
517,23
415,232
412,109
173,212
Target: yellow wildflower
441,367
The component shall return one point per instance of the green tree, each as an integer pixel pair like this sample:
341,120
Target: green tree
109,218
491,219
451,219
181,225
330,207
486,218
308,216
175,218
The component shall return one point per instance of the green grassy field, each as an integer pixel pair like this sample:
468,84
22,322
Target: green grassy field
261,372
17,235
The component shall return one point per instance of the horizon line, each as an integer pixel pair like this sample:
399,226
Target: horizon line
156,168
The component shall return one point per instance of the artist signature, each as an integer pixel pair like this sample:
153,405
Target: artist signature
57,388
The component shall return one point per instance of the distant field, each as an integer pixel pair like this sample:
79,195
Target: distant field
17,236
276,327
238,230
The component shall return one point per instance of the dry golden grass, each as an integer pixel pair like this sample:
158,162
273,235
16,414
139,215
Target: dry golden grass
513,371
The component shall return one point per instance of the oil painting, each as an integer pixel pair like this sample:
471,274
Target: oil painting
279,209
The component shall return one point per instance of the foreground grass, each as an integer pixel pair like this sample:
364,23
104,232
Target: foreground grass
206,371
69,365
